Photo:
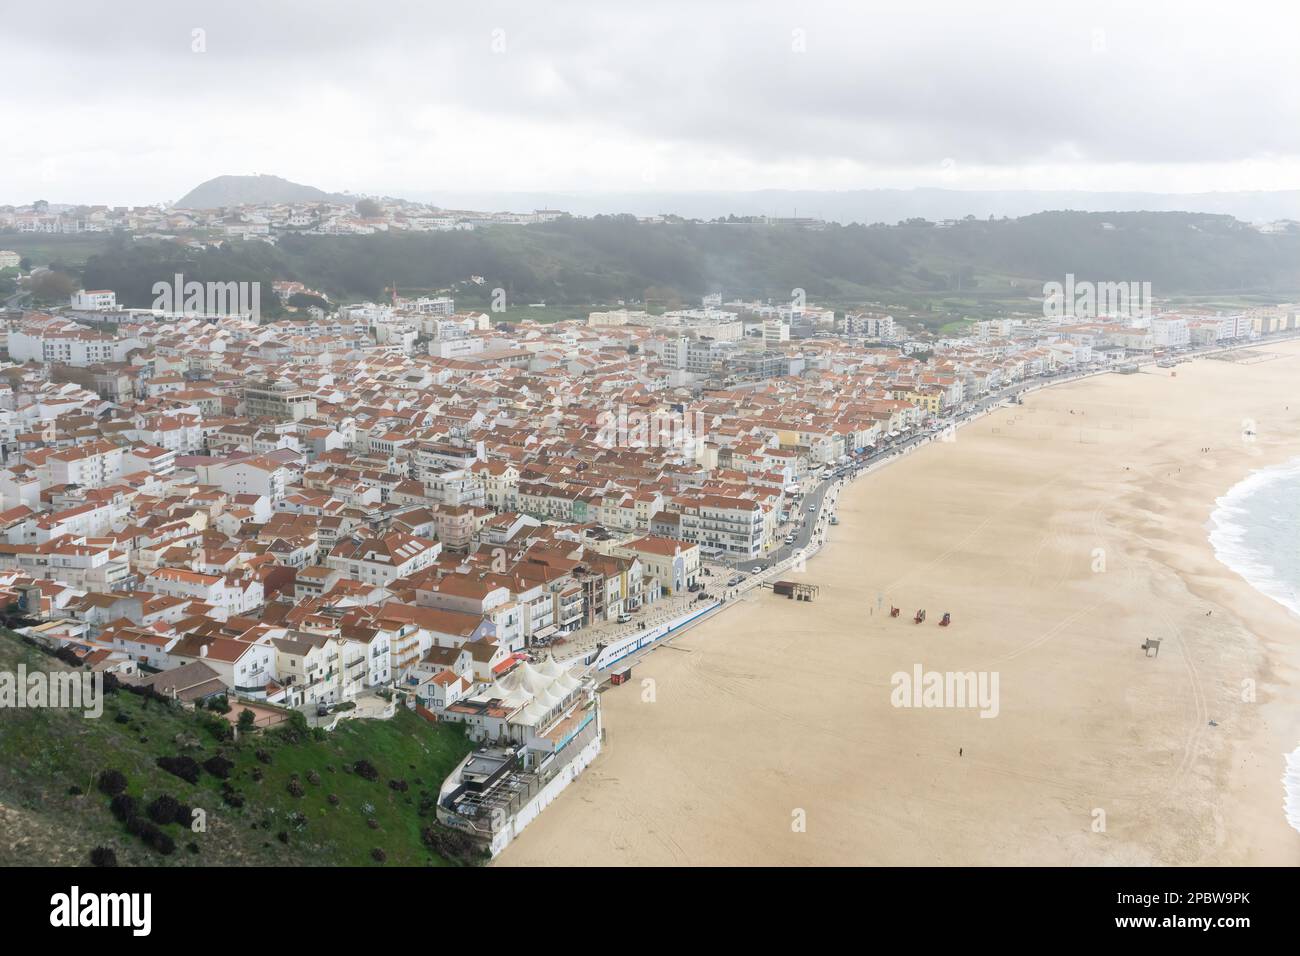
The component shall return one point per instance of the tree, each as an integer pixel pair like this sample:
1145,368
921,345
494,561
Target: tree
246,720
368,209
52,286
303,300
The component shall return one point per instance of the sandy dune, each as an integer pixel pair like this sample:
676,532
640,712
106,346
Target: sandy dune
779,707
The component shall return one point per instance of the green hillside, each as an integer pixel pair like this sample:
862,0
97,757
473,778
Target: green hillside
51,811
581,262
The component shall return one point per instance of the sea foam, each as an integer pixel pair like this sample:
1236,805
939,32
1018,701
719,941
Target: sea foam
1255,531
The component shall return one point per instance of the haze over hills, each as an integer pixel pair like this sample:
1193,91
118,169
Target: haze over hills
247,190
607,258
878,205
844,206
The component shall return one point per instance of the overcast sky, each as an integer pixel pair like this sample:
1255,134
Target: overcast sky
110,102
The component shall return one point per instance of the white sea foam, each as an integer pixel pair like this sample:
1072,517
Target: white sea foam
1255,531
1291,786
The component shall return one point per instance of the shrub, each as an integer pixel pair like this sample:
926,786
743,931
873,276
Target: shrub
295,787
247,721
166,809
111,782
401,786
452,844
378,855
294,729
313,778
218,766
68,656
219,728
366,770
264,756
184,767
103,856
154,838
122,807
333,799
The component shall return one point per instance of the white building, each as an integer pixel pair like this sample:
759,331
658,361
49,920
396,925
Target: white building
95,300
1170,332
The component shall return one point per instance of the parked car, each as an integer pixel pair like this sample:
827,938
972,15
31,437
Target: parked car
624,618
756,570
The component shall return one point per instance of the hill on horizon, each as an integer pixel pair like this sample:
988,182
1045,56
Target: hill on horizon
974,266
245,190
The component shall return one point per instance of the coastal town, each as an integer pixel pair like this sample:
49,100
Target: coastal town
479,518
268,221
775,439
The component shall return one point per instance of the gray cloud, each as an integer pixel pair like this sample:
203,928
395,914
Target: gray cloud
698,91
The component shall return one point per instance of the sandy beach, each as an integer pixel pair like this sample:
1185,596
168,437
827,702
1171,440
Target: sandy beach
1060,535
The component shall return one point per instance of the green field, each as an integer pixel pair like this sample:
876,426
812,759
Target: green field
52,813
45,249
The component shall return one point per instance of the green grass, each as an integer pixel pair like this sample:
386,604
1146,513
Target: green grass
43,753
44,249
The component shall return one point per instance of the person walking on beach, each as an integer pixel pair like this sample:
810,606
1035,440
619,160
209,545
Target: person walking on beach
959,751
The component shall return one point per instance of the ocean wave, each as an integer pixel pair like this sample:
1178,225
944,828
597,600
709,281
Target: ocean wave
1291,785
1256,532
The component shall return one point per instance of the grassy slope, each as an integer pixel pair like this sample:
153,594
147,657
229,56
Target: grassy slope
45,752
43,249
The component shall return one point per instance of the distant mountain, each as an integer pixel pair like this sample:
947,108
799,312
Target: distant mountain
243,190
877,205
977,264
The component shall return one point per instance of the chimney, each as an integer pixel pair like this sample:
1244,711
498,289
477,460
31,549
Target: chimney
203,651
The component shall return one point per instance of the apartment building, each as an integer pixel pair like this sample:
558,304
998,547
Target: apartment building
279,401
382,558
